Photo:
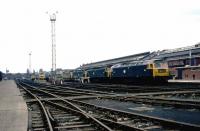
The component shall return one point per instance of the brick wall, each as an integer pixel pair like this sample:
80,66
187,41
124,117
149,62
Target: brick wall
190,74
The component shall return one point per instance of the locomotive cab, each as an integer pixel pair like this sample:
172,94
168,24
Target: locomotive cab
159,69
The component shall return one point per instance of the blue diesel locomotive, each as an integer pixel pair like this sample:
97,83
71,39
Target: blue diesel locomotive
136,72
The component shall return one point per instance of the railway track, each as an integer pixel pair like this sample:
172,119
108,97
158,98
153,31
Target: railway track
114,119
79,91
145,98
55,118
176,103
133,88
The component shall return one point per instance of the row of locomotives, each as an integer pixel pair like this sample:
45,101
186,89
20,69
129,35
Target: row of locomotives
137,72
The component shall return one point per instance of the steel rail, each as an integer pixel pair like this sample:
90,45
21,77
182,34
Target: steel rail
43,108
101,119
78,90
182,125
76,107
138,88
181,103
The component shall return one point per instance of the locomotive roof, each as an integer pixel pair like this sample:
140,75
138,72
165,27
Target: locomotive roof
135,63
111,62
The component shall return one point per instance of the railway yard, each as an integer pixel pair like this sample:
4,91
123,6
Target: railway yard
118,66
147,91
75,106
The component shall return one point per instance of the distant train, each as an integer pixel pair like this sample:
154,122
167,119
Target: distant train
136,72
39,76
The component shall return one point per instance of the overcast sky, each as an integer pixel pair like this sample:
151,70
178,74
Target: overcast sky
92,30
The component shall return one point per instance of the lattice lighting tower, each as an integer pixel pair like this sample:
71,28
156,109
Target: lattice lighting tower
53,35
